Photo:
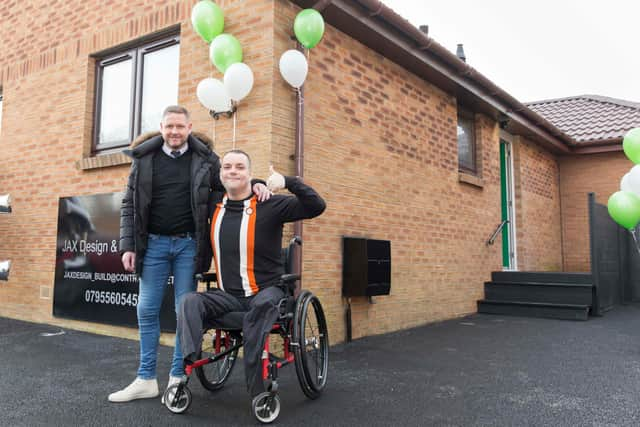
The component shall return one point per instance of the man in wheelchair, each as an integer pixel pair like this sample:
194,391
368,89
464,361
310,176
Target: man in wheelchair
246,240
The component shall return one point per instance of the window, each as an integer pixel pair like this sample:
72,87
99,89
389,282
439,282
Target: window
466,143
133,86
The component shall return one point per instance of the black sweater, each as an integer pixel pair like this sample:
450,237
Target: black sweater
170,212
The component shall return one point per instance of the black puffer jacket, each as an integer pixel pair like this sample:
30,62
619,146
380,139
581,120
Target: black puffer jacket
134,214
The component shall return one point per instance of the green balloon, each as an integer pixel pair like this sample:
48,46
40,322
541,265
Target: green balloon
225,50
207,19
631,145
309,27
624,208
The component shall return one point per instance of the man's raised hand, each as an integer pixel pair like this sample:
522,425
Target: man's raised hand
275,182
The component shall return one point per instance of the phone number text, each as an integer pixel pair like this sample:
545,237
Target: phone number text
110,297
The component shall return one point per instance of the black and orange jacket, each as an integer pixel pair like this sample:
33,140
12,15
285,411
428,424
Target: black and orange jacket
246,236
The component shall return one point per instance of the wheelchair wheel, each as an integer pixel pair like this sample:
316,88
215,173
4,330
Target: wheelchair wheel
311,345
213,375
177,399
266,407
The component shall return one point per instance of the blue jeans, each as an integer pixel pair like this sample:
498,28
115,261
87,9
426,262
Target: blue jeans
165,256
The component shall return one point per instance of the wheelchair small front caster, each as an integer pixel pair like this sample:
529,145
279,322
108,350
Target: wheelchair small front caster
266,407
177,398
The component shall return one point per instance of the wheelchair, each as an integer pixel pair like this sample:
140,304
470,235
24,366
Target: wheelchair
302,328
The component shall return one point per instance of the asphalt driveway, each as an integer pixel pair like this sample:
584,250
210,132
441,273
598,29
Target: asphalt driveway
482,370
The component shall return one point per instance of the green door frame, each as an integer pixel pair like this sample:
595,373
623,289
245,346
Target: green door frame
509,261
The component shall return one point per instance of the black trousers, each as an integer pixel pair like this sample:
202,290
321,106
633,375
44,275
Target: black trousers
199,309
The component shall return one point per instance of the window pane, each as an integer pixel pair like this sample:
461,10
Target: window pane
466,142
160,85
115,108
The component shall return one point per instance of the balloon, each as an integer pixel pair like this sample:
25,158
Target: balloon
207,19
632,183
294,67
238,79
224,51
625,185
631,145
213,95
308,27
624,208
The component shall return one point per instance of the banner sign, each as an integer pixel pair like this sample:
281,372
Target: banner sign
90,282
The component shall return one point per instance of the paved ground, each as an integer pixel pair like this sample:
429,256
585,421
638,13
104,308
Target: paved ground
483,370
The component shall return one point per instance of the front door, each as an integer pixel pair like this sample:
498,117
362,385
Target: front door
509,260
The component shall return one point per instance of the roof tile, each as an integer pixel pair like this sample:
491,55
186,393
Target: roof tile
590,119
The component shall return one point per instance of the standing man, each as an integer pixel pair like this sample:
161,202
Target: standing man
246,238
164,231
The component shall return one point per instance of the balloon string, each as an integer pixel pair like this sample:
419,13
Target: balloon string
635,238
235,113
213,134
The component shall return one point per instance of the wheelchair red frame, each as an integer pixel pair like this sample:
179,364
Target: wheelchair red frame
302,326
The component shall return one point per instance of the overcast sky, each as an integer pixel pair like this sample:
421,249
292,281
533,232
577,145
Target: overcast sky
540,49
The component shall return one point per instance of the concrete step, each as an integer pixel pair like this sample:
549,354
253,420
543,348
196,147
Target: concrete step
541,277
532,309
536,292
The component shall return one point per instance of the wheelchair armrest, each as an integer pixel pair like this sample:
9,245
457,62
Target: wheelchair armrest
288,278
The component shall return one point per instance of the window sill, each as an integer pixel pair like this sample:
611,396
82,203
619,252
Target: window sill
102,161
473,180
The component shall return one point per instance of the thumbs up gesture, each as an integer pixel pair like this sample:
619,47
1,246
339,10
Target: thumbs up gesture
275,182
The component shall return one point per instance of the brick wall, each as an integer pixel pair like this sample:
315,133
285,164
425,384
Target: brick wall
380,146
47,80
538,228
580,175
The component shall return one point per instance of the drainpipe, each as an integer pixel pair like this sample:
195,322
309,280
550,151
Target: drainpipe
299,153
299,158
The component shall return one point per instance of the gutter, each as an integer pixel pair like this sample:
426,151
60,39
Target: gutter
599,146
461,68
417,46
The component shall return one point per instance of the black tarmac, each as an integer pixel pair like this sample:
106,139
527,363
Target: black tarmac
481,370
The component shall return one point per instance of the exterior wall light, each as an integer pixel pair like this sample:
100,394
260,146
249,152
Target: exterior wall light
5,268
5,203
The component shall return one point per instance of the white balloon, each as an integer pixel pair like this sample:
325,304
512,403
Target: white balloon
294,67
238,79
632,181
213,95
624,183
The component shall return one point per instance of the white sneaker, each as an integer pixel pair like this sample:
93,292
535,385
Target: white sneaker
138,389
172,380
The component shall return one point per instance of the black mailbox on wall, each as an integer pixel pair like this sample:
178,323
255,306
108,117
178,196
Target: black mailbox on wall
366,267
